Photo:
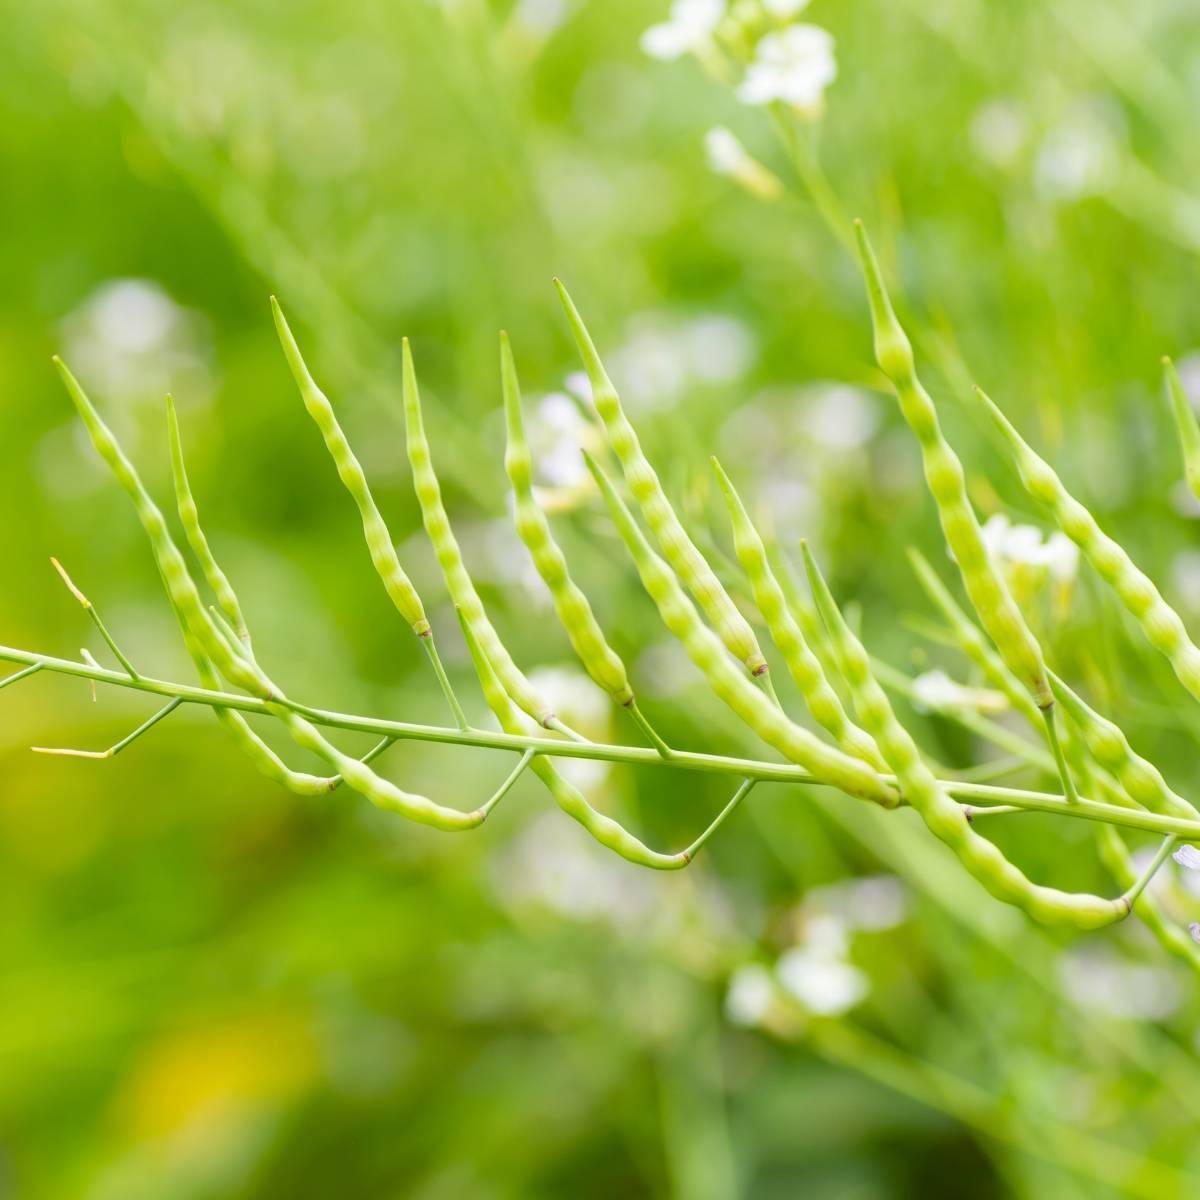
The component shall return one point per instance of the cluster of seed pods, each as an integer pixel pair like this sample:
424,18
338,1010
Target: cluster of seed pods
875,759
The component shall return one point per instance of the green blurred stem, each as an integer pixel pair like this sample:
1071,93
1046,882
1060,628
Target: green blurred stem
752,769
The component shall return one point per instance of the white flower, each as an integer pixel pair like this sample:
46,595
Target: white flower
751,990
1107,983
785,8
935,690
999,132
690,25
1188,856
825,986
1022,545
795,66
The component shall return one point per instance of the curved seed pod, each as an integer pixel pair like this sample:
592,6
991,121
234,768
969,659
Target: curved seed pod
574,612
206,642
1116,857
1187,425
604,829
943,817
1161,624
821,699
704,648
731,627
176,578
1141,779
445,545
988,592
379,541
189,515
972,642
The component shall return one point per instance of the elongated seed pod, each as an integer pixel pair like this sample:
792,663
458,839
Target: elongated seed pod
802,664
972,641
1116,857
704,648
1142,780
731,627
944,818
1187,425
207,643
1159,622
604,829
445,545
988,592
599,659
189,515
379,541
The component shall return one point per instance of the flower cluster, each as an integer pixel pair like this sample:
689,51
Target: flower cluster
815,974
784,62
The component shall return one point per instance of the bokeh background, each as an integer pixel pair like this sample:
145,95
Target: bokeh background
212,988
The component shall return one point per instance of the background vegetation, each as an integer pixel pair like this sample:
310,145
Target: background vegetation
212,988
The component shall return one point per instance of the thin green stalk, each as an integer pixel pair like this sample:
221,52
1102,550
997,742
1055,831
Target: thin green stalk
687,760
90,609
115,749
435,659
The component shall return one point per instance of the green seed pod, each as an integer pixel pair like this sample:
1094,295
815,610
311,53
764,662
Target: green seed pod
704,648
731,627
972,642
206,642
574,612
988,592
190,517
176,578
1161,624
1116,857
944,818
821,699
445,545
379,540
1187,424
604,829
1141,779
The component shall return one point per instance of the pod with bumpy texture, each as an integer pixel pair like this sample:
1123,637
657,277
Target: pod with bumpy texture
704,648
802,664
988,592
1161,624
445,546
944,818
689,564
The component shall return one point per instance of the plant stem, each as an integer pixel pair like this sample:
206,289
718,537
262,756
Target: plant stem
688,760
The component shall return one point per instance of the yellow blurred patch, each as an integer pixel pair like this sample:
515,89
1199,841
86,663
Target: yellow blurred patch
208,1073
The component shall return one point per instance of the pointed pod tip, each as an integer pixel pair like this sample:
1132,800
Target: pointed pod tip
1165,360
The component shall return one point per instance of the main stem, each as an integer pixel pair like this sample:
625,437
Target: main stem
688,760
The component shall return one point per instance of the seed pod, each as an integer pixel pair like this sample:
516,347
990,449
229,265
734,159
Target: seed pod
178,582
703,647
190,517
943,817
731,627
1159,622
821,699
206,643
988,592
445,545
379,541
599,659
1141,779
1187,425
972,642
604,829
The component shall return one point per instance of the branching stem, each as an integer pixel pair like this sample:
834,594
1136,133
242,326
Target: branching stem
757,770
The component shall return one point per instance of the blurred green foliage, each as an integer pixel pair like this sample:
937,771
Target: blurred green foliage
211,988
